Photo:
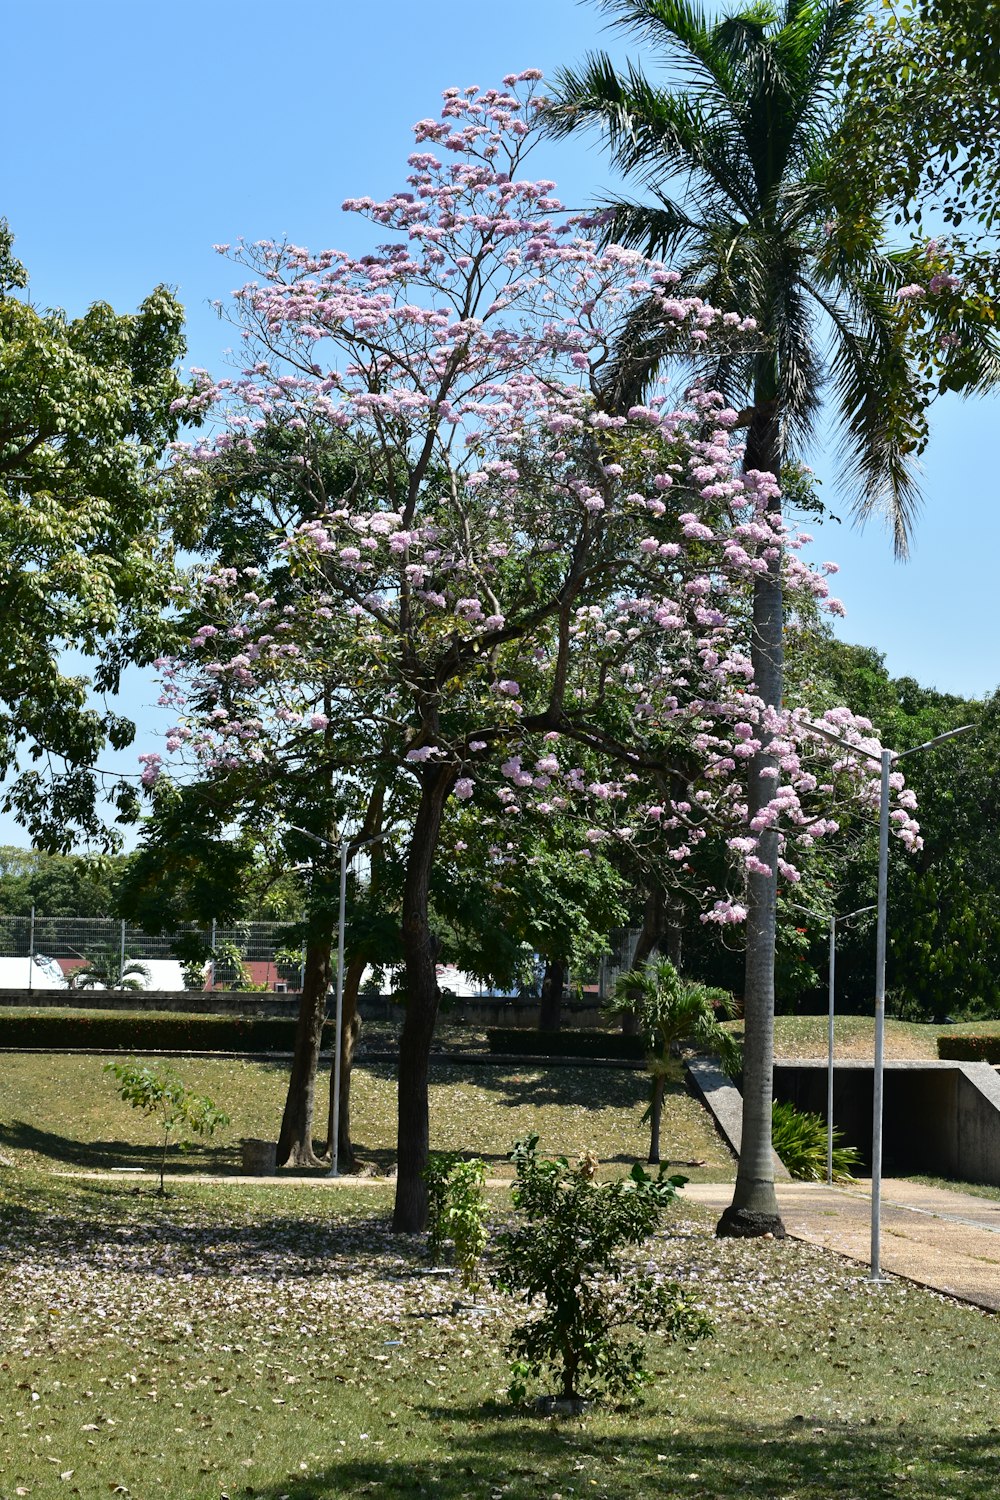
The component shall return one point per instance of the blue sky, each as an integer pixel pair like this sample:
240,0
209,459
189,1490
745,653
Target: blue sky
140,135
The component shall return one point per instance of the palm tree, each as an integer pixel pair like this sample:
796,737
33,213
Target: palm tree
742,185
111,970
671,1011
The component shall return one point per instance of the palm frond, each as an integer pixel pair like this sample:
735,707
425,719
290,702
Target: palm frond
880,410
659,230
681,32
652,133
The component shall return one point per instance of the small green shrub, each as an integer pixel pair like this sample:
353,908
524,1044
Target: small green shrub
969,1048
437,1173
799,1138
567,1251
467,1219
456,1212
159,1091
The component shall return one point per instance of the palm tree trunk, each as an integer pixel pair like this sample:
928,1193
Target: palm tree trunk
420,950
754,1209
655,1117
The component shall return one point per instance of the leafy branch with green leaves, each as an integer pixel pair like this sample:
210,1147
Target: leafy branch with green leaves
162,1094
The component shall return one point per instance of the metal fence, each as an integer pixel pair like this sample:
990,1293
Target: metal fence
223,956
624,941
43,952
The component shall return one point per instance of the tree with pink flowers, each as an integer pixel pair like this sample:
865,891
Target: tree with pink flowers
517,587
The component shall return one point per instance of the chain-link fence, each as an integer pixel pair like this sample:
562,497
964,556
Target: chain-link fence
43,952
623,941
40,952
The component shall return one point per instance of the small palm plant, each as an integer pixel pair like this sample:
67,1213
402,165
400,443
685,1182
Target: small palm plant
111,970
671,1011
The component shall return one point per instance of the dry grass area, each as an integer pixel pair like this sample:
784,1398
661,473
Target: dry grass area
63,1110
804,1037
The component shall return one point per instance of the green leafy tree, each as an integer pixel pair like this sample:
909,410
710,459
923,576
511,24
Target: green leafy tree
566,1250
85,556
160,1093
923,123
672,1011
737,157
59,885
944,923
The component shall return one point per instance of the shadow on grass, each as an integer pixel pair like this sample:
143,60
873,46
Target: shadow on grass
147,1231
18,1135
572,1087
799,1460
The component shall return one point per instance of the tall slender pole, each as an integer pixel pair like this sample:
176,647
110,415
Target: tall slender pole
886,761
829,1052
883,890
334,1171
31,953
121,969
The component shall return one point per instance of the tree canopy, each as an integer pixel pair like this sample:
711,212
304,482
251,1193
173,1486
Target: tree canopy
87,407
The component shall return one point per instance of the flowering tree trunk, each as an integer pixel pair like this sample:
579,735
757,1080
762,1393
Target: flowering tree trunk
550,1010
295,1146
420,950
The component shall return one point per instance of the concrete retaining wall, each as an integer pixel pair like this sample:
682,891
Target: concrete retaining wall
180,1002
941,1118
477,1013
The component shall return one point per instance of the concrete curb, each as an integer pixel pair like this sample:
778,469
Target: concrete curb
437,1059
724,1103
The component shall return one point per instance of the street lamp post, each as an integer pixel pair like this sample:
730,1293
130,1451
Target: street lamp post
831,922
347,848
886,760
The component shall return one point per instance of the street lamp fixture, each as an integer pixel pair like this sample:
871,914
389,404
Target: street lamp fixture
885,760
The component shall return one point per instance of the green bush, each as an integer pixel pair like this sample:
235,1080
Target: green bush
566,1252
799,1138
969,1048
519,1043
456,1211
138,1032
436,1175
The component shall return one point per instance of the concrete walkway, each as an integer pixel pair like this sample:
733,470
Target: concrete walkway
944,1240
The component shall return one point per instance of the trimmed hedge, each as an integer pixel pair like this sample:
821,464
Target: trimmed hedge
969,1048
146,1032
521,1043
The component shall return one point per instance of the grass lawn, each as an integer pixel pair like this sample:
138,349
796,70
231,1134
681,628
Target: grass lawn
237,1341
64,1110
854,1037
974,1189
255,1342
